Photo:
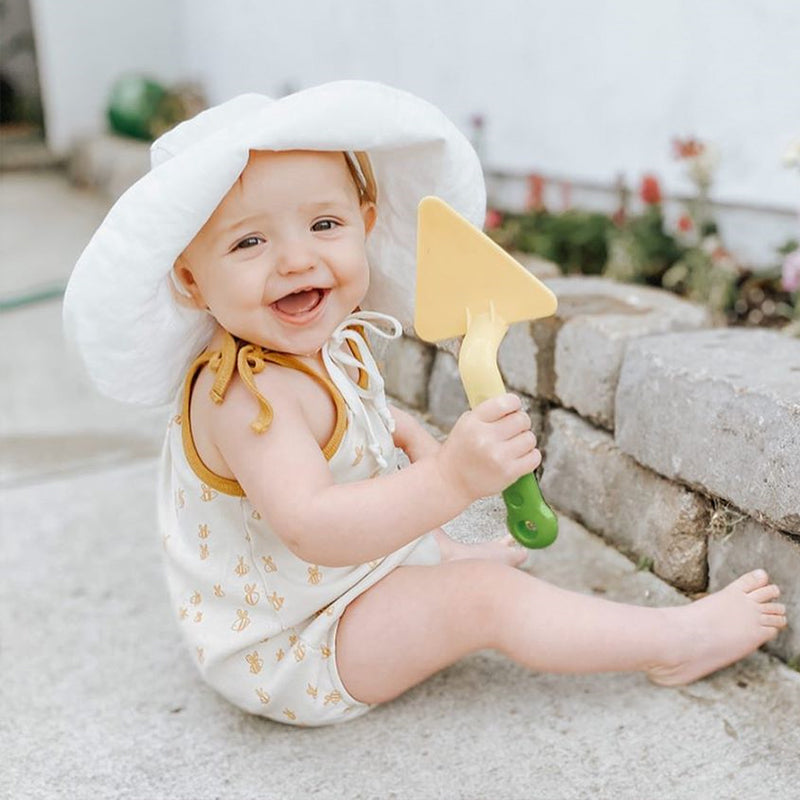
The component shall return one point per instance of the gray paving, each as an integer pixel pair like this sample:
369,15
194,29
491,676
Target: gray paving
99,700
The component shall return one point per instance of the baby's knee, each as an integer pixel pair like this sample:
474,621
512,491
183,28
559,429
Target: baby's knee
481,588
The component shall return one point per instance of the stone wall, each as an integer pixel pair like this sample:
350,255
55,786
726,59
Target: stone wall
676,441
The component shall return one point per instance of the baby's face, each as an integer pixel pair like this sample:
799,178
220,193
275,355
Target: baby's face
282,261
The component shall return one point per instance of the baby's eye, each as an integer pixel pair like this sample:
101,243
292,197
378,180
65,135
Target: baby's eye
324,225
249,241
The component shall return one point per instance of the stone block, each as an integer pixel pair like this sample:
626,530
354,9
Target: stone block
447,400
536,265
748,545
589,478
574,357
719,410
406,367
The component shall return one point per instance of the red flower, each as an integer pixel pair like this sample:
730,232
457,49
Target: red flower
535,200
494,219
685,223
687,148
650,191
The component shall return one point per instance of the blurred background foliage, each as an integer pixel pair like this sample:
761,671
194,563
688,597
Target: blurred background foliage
688,258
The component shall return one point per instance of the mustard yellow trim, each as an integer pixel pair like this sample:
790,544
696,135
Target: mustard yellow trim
248,361
218,482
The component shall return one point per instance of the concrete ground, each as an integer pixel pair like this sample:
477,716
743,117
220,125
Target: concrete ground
99,700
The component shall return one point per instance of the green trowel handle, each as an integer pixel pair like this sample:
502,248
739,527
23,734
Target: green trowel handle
530,520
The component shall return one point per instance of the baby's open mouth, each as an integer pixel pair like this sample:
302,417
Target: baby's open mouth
300,302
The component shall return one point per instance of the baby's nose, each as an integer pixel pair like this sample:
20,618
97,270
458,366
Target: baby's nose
295,256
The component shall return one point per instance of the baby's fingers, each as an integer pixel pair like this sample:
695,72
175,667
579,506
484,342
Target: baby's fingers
512,425
523,446
496,408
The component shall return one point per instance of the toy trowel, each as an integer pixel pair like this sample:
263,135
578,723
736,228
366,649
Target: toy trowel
468,285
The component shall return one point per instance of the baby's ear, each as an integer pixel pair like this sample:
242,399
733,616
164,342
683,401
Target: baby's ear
369,212
185,290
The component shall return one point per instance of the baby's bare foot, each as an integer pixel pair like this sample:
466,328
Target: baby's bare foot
504,549
721,628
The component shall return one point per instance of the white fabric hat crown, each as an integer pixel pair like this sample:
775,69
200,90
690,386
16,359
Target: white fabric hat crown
119,309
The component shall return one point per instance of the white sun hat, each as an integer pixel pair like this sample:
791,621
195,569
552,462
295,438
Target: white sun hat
120,310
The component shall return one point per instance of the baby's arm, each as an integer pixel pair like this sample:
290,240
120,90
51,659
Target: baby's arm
411,437
286,477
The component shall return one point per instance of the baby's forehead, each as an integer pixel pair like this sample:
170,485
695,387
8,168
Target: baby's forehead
325,170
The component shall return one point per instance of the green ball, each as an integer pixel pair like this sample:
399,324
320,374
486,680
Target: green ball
132,105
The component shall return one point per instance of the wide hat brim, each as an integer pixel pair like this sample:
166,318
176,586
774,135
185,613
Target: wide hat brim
120,310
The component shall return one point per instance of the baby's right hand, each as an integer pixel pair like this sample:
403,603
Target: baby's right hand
490,447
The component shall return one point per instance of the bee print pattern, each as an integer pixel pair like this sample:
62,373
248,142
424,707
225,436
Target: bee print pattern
255,661
359,456
311,691
255,515
269,564
177,419
332,698
198,617
279,655
203,552
207,493
299,652
196,599
263,696
325,651
242,620
241,569
277,602
183,612
314,575
289,714
218,590
203,531
251,595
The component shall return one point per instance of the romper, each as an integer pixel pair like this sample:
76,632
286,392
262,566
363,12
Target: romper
261,622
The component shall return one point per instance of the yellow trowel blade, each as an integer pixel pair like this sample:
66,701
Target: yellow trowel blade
460,269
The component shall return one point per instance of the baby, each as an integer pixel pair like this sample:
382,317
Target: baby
308,571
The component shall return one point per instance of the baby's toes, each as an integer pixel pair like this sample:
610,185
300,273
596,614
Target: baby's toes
765,594
773,608
751,581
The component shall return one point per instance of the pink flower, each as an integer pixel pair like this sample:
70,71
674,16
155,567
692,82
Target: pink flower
494,219
685,223
790,274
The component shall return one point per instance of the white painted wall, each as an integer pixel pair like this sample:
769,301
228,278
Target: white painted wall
84,45
578,88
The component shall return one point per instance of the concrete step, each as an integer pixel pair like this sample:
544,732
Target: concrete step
98,691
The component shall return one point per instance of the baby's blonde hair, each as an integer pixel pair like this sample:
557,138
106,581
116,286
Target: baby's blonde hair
361,170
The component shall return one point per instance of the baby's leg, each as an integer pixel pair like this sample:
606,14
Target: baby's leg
418,620
504,549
